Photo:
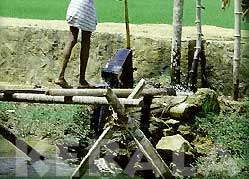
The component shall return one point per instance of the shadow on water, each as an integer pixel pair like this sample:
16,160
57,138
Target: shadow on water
15,164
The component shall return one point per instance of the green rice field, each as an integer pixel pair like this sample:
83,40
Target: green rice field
141,11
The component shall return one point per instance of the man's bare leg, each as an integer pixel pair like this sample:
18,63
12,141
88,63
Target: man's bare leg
84,55
72,40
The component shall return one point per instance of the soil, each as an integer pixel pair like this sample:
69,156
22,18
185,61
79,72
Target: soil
145,30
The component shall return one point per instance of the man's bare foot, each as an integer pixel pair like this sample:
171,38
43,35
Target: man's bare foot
62,83
86,85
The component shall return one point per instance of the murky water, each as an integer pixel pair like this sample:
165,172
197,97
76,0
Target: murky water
14,163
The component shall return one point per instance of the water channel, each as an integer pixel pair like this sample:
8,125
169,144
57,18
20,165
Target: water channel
14,163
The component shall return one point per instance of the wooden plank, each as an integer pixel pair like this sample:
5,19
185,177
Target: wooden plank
122,93
144,144
137,90
42,98
151,154
91,155
117,107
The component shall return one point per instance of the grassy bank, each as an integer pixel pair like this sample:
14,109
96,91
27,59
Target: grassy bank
149,11
229,131
50,122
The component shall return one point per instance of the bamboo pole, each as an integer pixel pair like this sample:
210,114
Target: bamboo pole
92,154
237,39
137,90
42,98
143,143
123,93
117,106
33,91
194,69
128,36
176,42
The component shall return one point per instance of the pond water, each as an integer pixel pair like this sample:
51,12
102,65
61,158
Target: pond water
14,163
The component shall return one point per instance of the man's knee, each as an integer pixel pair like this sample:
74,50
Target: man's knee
66,55
86,36
69,46
72,41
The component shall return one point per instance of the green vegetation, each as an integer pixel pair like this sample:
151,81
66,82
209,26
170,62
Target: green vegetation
52,122
149,11
229,131
230,134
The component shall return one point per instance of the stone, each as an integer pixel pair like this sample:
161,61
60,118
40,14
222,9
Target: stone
175,143
187,132
168,131
184,129
206,99
172,122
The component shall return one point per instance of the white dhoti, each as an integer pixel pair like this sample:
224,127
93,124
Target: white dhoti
82,14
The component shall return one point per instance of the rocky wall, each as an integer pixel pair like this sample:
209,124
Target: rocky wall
30,55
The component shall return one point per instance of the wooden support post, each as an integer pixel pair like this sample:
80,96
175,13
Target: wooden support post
91,155
143,143
145,114
150,153
137,90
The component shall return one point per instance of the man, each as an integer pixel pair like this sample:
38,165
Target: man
81,16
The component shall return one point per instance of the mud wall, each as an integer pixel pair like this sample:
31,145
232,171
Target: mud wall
30,55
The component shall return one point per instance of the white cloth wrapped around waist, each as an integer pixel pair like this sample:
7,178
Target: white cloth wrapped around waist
82,14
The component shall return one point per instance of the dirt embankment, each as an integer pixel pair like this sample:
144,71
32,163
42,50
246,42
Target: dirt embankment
31,52
145,30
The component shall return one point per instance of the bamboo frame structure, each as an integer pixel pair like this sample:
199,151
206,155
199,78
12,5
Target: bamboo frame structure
140,139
